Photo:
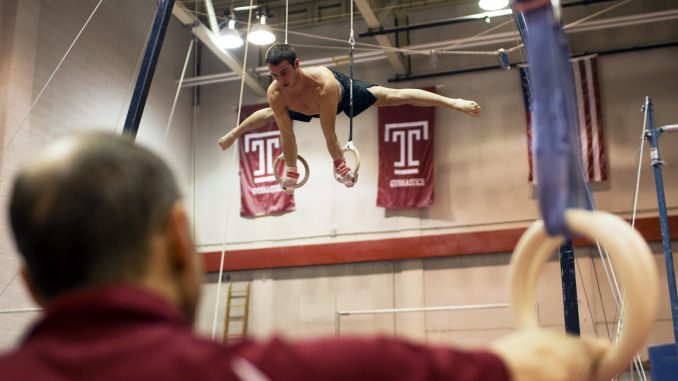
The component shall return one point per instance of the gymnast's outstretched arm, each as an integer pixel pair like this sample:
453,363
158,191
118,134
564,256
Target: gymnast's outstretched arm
258,119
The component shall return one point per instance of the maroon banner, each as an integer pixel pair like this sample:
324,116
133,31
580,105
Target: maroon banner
405,157
260,193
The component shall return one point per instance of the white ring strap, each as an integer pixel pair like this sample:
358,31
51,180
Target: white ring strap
351,148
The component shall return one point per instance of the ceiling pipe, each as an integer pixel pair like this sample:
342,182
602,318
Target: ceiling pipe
462,43
457,20
398,78
432,24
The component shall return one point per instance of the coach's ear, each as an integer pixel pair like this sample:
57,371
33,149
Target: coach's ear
30,285
180,241
297,63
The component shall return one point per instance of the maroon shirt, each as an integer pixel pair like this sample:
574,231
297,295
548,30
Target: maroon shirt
124,333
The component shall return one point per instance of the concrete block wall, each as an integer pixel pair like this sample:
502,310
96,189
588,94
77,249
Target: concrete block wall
480,163
19,28
300,303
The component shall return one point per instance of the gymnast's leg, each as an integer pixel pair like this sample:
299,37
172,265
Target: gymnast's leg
415,97
258,119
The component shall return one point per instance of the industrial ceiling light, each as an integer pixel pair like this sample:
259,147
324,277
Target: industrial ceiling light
229,37
261,33
492,5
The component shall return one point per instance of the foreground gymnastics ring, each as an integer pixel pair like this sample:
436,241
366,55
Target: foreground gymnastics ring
301,183
631,257
349,147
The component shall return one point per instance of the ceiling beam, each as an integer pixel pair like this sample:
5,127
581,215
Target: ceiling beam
387,10
206,36
373,22
214,25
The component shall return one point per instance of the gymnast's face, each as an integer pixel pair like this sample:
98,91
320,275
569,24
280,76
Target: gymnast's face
286,74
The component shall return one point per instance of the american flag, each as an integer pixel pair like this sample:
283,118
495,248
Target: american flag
590,118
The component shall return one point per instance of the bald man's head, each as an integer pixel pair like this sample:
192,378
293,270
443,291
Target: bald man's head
84,210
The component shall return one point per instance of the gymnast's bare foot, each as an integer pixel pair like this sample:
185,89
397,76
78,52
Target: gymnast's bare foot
226,141
467,107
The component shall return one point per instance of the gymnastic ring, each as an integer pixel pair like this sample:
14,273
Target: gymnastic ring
632,259
301,183
350,147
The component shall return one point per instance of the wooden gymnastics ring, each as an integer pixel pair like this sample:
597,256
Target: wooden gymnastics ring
301,183
349,147
632,259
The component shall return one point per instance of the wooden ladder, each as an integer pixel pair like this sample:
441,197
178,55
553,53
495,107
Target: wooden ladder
237,308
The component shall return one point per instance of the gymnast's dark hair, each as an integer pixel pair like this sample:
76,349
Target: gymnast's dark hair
87,220
279,52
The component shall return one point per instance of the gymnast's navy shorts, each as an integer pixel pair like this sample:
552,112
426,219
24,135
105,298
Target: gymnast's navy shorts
362,98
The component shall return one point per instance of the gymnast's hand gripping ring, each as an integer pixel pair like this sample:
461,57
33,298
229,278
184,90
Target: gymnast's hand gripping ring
301,183
631,258
350,147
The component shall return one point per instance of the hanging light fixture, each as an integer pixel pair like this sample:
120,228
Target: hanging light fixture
229,37
492,5
261,33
